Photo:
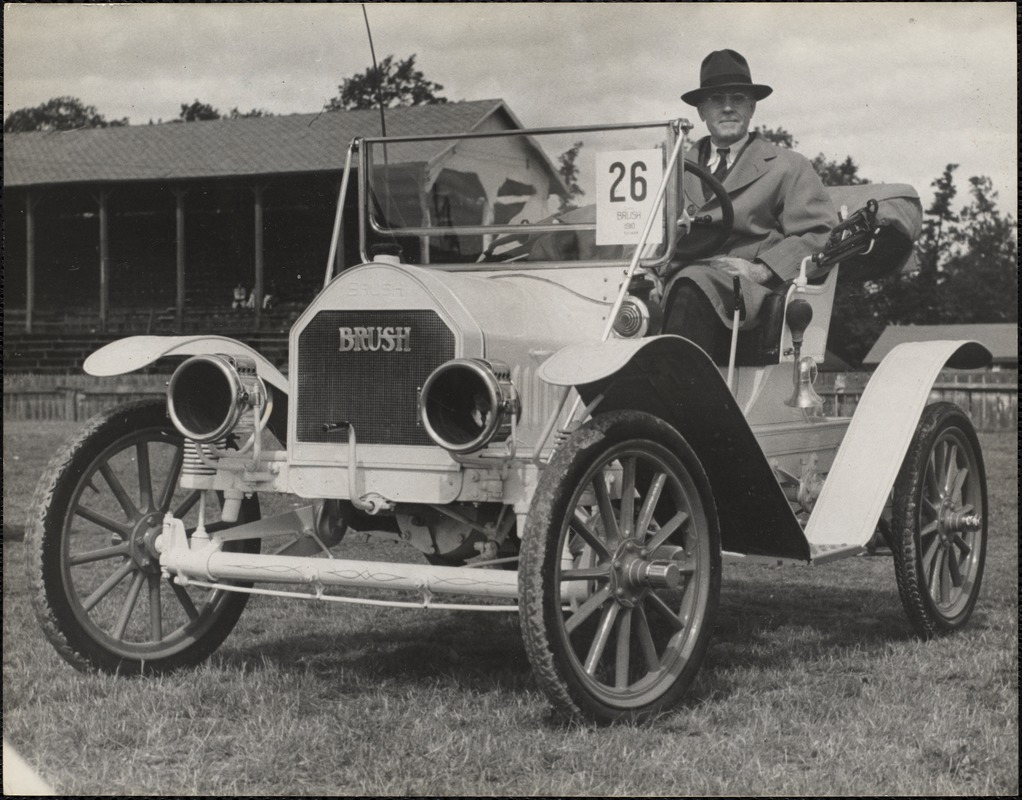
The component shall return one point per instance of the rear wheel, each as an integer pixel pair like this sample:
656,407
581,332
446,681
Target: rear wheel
620,570
939,518
98,590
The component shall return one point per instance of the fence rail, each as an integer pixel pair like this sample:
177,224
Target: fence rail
67,403
992,405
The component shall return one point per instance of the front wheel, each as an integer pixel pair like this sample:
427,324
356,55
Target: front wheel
620,571
97,586
939,522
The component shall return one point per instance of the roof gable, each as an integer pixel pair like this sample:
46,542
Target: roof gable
294,143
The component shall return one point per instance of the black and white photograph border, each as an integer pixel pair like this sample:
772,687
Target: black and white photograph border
172,176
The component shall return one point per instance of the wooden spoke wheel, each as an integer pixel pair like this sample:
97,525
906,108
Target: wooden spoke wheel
620,570
97,586
939,518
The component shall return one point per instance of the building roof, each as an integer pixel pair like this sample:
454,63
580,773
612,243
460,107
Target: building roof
1001,339
294,143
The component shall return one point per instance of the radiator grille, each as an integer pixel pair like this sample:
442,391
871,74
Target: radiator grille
376,391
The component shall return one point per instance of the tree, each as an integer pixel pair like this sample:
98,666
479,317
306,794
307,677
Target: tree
942,221
392,83
200,112
569,174
58,114
967,264
255,112
978,274
967,273
832,173
835,173
777,136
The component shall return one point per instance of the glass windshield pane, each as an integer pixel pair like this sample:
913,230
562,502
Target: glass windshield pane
525,197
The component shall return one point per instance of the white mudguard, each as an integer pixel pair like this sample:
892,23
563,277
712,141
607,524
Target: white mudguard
867,463
136,352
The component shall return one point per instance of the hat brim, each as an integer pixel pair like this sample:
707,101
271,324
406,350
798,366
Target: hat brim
757,90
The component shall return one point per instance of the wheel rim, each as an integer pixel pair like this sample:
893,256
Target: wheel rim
951,525
109,565
637,589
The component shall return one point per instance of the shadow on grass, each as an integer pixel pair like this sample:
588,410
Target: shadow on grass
766,622
767,626
480,652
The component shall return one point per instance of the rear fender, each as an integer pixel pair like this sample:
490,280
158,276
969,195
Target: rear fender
872,451
673,379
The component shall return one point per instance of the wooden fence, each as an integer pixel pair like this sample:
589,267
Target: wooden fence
990,399
67,403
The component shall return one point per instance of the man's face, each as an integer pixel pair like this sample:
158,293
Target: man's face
727,115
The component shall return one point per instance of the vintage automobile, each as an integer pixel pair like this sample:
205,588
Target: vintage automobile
489,388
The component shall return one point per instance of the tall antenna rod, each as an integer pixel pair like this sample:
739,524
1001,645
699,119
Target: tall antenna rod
376,69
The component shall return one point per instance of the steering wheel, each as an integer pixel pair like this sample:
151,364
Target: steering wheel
705,237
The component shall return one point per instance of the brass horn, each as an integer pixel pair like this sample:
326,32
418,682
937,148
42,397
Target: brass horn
805,395
799,315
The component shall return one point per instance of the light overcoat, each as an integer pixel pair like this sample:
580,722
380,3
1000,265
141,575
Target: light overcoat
782,214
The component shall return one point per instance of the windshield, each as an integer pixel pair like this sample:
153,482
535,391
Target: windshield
533,197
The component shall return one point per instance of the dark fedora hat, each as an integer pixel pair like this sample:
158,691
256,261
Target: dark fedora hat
724,70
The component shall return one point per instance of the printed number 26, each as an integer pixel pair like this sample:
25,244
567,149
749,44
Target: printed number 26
637,184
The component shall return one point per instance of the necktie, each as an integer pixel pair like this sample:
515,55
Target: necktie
721,169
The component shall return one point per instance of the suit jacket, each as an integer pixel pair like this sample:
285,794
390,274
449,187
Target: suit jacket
782,214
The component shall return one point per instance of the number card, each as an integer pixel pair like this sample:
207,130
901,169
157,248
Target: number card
626,186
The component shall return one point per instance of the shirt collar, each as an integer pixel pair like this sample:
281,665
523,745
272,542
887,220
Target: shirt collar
733,151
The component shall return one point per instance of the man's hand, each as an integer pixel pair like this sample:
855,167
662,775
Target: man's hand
757,273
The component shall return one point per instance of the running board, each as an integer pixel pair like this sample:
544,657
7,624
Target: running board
818,554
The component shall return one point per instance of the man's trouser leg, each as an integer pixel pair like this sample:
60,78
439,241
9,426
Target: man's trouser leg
689,313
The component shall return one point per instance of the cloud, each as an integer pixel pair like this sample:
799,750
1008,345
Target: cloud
903,88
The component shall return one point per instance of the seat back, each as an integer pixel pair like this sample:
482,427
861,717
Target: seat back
769,341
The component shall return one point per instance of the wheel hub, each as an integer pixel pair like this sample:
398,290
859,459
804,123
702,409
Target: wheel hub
952,519
143,541
634,573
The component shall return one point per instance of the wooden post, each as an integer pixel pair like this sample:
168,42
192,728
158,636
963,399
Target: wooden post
104,258
179,309
30,204
258,288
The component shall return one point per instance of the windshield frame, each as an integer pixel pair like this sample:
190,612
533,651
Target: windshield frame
672,129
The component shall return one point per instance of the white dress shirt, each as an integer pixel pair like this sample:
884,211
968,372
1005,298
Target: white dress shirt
734,150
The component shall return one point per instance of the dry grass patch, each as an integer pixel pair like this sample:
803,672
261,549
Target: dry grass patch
813,685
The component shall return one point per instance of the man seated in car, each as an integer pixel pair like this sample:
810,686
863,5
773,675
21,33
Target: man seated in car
782,211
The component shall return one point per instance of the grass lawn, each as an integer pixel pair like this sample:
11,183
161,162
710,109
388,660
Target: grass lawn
813,685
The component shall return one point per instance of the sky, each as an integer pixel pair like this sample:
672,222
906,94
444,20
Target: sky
903,88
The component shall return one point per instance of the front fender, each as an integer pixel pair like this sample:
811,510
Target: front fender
136,352
672,378
867,463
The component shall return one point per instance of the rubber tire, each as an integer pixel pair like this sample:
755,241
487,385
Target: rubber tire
939,422
557,671
84,644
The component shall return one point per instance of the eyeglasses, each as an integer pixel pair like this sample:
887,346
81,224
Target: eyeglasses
730,99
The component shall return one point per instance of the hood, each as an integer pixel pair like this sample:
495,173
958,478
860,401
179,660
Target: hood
505,315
